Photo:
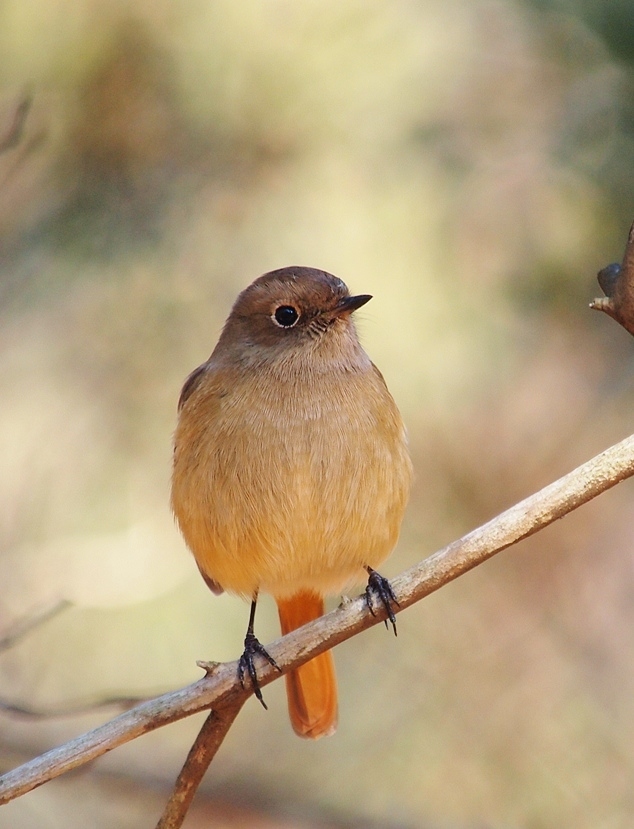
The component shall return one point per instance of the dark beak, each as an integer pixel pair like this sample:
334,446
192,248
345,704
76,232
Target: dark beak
350,303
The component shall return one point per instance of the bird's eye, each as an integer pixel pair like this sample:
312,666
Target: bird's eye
285,316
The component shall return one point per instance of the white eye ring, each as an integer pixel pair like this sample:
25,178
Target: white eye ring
285,316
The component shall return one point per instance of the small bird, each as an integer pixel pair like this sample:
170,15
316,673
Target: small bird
291,469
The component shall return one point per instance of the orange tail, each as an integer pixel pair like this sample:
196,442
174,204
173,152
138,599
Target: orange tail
312,688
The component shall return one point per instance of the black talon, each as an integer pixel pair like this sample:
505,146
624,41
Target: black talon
252,646
246,665
379,587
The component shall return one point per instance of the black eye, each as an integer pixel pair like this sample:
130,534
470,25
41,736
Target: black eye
286,316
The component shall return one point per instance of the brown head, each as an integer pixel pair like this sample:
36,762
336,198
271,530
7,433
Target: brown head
292,313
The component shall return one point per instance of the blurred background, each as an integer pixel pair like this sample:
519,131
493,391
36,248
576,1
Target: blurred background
470,164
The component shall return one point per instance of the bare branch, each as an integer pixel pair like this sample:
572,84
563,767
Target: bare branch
202,753
524,519
221,690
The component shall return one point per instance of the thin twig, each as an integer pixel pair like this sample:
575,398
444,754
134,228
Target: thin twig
203,751
24,626
221,689
71,709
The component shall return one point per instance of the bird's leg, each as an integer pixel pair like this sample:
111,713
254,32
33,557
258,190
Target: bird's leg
380,588
253,646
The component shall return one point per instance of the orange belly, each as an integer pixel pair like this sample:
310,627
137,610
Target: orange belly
291,496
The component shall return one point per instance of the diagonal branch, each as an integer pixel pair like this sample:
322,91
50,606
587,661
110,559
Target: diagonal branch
203,751
24,626
220,690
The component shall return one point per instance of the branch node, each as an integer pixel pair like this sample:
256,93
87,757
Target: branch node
209,668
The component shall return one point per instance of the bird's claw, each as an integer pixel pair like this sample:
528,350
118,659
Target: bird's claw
246,665
380,588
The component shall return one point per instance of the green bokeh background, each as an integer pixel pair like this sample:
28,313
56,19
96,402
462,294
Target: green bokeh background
469,163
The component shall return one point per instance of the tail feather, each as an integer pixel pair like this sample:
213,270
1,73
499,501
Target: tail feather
312,688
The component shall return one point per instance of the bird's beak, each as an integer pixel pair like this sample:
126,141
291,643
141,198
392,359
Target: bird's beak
350,303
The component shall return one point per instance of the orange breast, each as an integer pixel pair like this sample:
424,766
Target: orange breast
290,486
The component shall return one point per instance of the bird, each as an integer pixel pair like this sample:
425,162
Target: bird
291,468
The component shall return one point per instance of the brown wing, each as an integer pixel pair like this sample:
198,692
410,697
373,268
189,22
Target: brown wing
215,588
191,384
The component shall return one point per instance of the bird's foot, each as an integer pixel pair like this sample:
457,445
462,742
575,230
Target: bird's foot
246,665
380,589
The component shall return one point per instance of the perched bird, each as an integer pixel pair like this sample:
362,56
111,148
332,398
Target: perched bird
291,468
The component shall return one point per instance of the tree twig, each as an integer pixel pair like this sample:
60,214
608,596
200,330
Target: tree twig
70,709
36,618
203,751
221,690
